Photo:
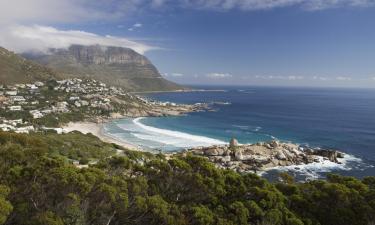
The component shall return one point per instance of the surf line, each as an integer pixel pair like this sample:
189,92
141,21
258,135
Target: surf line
177,134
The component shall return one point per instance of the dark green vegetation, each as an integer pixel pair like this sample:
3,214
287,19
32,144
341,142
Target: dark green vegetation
38,185
16,69
115,66
73,145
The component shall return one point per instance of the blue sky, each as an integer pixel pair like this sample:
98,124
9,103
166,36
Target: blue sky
240,42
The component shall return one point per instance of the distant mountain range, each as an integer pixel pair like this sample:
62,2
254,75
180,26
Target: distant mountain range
116,66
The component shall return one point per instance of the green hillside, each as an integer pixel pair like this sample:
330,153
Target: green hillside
16,69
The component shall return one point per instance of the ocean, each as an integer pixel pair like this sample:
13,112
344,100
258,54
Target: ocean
337,118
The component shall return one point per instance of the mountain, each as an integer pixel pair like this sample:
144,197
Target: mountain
112,65
16,69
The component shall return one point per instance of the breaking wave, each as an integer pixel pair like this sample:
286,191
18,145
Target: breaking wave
153,137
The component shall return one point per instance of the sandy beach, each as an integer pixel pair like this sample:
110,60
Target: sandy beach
97,130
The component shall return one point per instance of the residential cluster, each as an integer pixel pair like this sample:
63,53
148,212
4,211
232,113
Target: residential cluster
39,99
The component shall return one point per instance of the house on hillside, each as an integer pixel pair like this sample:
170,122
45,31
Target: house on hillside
36,114
15,108
17,98
24,130
11,93
39,84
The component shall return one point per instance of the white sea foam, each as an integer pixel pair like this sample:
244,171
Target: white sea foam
244,127
164,137
313,170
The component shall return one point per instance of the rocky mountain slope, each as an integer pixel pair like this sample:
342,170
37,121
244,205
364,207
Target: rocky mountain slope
112,65
16,69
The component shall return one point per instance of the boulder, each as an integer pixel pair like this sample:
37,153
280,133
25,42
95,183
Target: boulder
280,155
238,155
331,155
274,144
214,152
233,143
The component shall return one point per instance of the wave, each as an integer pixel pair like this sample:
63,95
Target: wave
244,127
316,169
154,137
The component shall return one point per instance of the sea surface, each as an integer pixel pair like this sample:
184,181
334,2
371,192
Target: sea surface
342,119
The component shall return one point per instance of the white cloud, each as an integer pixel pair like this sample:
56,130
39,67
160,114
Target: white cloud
264,4
72,11
135,26
219,75
372,78
41,38
295,77
64,11
320,78
343,78
271,77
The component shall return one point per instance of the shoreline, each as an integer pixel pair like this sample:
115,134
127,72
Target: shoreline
275,155
97,129
178,91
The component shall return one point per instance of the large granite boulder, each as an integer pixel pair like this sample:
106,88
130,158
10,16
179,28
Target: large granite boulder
214,151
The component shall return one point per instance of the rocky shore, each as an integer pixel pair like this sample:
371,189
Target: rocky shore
262,156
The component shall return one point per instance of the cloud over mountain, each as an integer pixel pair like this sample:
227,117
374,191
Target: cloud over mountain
41,38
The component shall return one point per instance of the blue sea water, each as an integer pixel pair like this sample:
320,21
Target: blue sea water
341,119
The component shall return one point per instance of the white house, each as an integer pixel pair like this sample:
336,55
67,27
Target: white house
39,84
15,108
36,114
25,130
17,98
31,86
73,98
11,93
6,127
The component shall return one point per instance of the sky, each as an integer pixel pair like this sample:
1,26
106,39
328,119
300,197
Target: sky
324,43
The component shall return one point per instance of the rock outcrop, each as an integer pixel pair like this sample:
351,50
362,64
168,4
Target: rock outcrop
260,156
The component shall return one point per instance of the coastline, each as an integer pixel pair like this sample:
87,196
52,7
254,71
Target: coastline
179,91
97,129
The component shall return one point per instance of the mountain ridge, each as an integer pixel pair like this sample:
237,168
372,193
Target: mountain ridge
16,69
115,66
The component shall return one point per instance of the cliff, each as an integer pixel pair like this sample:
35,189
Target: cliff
115,66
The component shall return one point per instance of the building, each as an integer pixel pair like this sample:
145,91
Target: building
31,86
15,108
6,127
39,84
36,114
11,93
73,98
25,130
17,98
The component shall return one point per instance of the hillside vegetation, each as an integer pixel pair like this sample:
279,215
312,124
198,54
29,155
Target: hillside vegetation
39,186
15,69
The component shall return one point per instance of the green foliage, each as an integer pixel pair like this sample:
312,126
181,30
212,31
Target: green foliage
40,186
5,206
73,145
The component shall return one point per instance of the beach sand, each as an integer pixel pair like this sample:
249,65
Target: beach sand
97,130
